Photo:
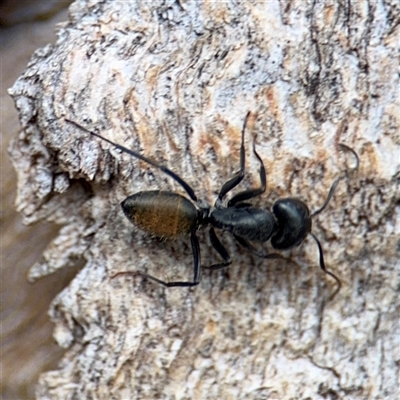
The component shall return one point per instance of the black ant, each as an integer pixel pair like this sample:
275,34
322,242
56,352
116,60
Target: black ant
169,214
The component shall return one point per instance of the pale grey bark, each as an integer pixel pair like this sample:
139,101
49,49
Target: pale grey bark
175,80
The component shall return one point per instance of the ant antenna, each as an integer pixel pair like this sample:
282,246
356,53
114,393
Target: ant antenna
328,199
336,182
330,194
352,151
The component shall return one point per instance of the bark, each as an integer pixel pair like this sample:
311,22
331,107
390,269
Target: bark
27,346
174,81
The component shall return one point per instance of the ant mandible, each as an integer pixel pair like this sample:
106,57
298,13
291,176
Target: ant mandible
169,214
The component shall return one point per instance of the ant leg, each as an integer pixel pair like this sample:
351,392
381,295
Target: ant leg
166,170
129,273
322,265
168,284
196,269
238,177
216,243
248,246
249,194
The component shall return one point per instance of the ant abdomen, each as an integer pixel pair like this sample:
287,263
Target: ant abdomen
294,223
161,213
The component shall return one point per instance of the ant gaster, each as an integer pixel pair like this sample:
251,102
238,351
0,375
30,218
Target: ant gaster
169,214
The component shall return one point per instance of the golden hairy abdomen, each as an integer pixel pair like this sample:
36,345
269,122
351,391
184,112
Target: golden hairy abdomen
161,213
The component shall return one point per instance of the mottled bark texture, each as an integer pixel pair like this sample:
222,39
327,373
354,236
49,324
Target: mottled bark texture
174,80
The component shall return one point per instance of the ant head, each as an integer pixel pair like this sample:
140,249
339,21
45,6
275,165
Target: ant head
294,223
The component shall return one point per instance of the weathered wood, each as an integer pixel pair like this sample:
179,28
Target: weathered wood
175,80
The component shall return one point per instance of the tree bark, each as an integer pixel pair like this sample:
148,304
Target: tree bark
174,81
27,347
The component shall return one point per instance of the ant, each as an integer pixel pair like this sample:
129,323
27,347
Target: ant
169,214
